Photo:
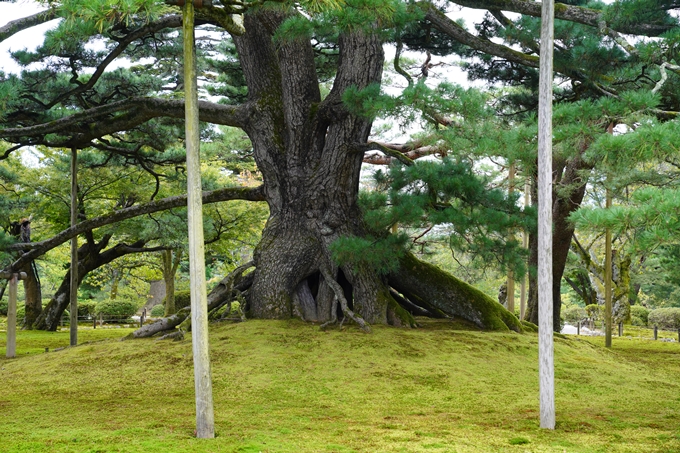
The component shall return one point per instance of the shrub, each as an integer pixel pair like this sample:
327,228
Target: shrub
595,311
574,314
86,308
182,299
666,318
637,321
21,309
640,312
116,309
157,311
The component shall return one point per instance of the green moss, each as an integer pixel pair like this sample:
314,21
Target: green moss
285,386
396,310
529,326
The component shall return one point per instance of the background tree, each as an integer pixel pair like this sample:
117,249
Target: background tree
308,147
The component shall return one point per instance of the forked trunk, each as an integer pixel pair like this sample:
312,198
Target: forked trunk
307,151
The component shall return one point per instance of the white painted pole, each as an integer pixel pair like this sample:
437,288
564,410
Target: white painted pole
546,370
11,350
205,424
73,328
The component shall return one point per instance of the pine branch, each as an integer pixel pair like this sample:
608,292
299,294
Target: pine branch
578,14
83,127
15,26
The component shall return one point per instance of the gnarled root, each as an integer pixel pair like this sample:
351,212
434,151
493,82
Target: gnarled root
340,297
443,293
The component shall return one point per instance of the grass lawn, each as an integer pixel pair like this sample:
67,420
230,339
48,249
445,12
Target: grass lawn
286,386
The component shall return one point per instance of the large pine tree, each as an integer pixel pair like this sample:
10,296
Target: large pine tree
308,147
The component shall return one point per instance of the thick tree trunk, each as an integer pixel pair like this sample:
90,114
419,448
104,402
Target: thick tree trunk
33,295
303,147
306,149
568,177
170,266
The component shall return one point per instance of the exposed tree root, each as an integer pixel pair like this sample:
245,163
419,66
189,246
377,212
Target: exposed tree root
340,297
334,314
177,335
426,283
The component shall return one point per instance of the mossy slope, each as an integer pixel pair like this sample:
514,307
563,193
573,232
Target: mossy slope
285,386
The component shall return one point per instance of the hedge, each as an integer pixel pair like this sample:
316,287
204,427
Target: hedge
157,311
665,318
118,309
640,312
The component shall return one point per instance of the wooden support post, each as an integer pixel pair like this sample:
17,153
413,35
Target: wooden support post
656,332
511,275
73,328
205,424
608,278
578,328
11,343
546,367
620,329
12,318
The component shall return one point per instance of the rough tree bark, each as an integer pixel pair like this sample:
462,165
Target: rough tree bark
569,188
170,266
33,294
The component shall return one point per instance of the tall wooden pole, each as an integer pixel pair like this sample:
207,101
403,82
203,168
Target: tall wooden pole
74,250
525,244
546,369
511,274
205,420
11,350
608,277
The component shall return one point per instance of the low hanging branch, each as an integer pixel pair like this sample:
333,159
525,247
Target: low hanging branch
39,248
222,294
404,153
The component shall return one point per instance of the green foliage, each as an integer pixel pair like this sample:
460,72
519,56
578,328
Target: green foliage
157,311
116,309
574,314
595,312
640,312
444,199
380,254
637,321
665,318
89,16
86,308
182,300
